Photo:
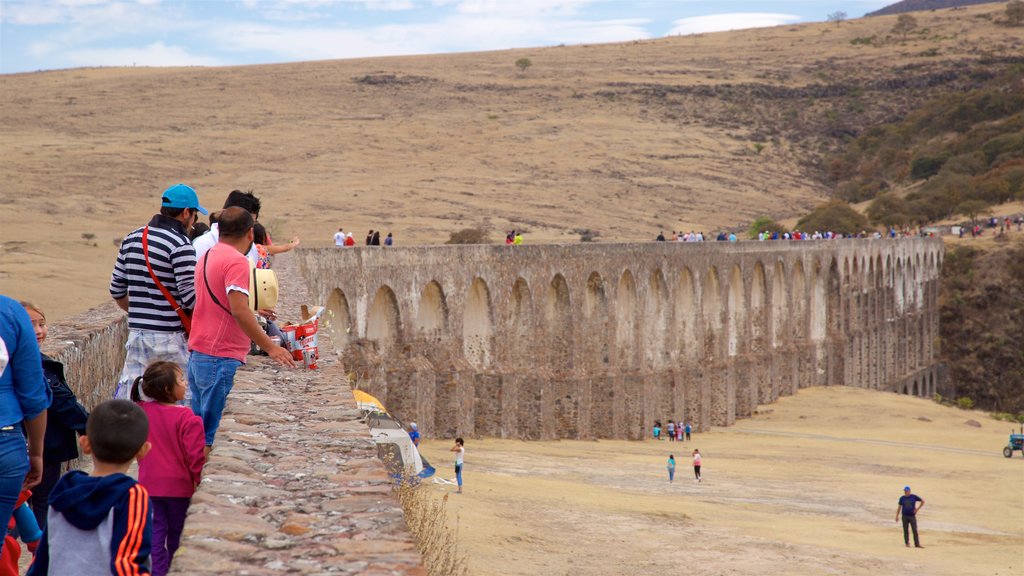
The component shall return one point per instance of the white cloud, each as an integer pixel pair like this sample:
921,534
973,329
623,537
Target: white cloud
155,54
736,21
456,33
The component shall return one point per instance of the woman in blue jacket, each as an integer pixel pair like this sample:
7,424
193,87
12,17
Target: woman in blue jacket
24,398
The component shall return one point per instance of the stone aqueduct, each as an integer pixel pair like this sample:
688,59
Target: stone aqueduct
599,341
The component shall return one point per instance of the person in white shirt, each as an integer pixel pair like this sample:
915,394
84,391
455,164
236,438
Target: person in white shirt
460,452
339,238
246,200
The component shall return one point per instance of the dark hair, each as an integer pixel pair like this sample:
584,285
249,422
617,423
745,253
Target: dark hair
259,233
171,212
158,382
246,200
459,441
117,429
198,229
213,217
234,222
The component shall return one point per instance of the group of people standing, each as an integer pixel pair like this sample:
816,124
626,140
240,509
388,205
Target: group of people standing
342,239
190,326
674,431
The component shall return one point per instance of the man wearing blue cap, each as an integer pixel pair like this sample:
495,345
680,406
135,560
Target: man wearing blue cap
909,505
154,282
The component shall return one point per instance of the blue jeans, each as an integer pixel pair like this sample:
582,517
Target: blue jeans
458,474
13,468
210,379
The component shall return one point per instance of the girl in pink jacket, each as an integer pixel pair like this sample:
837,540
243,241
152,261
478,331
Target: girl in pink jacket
171,471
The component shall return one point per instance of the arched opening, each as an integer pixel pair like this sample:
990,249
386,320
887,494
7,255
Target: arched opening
657,321
625,316
558,314
899,284
798,298
521,323
382,323
595,313
478,325
686,314
737,311
758,317
818,304
834,311
338,319
432,313
712,311
779,307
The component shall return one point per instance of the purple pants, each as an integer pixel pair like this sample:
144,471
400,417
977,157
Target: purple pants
168,520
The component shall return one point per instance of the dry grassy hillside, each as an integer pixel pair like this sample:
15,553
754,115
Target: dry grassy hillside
698,132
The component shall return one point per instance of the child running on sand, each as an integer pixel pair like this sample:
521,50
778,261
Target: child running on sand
171,470
696,464
671,467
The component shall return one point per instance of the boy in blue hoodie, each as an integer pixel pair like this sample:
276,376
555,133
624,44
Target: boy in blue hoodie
101,523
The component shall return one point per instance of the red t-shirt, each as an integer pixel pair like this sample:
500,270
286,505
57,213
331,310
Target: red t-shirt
214,330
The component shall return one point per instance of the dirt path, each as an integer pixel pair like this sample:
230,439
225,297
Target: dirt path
810,487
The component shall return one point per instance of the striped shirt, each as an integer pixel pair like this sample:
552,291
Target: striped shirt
173,260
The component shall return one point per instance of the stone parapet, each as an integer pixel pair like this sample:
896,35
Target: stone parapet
294,486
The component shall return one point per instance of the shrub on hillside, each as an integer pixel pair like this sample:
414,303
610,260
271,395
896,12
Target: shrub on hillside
835,216
889,210
924,167
764,224
469,236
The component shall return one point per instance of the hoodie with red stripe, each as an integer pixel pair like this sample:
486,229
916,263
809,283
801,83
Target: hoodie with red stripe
96,525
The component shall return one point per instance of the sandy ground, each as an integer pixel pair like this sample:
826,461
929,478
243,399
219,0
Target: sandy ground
626,139
807,486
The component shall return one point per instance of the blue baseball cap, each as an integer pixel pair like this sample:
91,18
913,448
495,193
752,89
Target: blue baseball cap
906,488
182,196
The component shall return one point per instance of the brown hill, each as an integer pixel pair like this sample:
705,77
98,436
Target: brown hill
694,132
921,5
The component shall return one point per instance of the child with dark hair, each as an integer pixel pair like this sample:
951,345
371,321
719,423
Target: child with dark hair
101,518
171,470
460,453
65,419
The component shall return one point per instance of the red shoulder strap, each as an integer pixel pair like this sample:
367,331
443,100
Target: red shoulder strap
186,322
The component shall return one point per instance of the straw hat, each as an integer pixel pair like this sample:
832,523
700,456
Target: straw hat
262,289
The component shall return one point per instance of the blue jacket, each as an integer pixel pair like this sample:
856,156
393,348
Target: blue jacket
96,525
23,392
65,418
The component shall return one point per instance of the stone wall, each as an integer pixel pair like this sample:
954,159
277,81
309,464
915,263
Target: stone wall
601,340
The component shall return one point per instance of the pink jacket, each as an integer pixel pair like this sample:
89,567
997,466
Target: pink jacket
175,463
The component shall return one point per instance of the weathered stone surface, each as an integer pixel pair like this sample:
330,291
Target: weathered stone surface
294,479
601,340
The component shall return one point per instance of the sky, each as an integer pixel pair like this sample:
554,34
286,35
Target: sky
57,34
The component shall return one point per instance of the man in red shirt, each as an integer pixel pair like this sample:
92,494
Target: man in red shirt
222,323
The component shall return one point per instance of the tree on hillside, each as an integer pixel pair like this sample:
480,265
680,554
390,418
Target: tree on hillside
904,24
1015,12
889,210
971,208
523,64
838,16
764,224
834,216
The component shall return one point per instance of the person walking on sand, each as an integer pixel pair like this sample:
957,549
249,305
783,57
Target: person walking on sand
909,507
696,464
460,453
688,430
339,238
671,467
671,429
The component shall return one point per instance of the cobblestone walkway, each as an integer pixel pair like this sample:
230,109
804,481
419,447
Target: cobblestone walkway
293,484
